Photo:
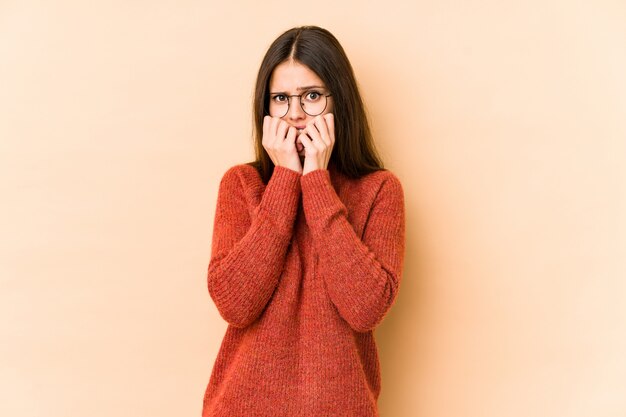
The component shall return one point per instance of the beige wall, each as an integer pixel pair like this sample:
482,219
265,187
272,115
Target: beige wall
504,120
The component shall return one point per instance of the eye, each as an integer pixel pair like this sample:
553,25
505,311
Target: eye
312,96
279,98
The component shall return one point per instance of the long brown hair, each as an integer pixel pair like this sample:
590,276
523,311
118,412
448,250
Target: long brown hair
353,153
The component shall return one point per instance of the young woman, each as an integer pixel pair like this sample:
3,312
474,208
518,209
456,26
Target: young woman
308,245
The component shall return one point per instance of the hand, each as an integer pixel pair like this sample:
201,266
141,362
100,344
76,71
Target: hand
318,139
280,144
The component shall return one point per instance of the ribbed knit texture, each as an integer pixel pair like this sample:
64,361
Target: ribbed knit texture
303,269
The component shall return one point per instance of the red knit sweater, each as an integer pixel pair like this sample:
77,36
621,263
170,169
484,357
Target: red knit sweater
302,269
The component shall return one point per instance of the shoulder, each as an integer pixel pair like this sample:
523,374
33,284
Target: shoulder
239,170
388,194
388,177
384,181
240,175
381,188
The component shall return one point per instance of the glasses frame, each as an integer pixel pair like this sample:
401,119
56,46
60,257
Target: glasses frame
300,101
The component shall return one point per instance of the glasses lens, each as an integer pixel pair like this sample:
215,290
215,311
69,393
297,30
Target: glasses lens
278,109
313,103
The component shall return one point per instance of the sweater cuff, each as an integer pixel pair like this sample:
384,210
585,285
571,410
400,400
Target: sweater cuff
281,197
319,198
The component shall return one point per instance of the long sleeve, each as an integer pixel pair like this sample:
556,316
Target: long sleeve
361,276
248,252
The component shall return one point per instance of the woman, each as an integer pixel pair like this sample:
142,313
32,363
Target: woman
308,245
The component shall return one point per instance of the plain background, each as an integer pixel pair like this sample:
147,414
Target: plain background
505,122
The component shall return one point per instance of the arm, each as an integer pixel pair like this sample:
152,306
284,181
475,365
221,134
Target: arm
247,255
361,276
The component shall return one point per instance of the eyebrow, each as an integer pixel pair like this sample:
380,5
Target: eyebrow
300,89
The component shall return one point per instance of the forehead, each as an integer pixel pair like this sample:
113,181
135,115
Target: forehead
291,76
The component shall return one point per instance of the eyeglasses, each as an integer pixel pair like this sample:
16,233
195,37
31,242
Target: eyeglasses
312,102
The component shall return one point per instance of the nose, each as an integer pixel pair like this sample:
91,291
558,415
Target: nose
295,111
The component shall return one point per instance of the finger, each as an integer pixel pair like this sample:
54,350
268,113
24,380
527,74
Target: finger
291,135
281,132
273,127
322,127
330,122
306,141
314,135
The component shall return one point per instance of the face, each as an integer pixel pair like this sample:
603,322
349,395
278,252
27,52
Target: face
291,78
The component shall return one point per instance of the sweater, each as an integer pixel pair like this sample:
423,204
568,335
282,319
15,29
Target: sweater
302,269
